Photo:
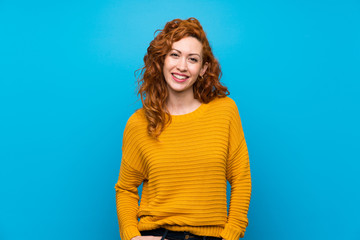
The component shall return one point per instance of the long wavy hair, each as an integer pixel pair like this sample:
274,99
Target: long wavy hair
152,86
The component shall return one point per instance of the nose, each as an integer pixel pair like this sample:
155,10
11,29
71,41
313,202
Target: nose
182,64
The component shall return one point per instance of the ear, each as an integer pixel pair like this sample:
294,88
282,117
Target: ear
203,69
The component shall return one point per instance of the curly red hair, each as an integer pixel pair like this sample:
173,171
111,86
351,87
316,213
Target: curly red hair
152,86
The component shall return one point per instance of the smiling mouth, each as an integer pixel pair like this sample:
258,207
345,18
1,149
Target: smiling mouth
179,78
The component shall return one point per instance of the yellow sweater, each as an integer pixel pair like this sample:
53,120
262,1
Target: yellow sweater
184,174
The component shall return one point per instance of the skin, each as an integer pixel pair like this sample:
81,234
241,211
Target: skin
147,238
185,58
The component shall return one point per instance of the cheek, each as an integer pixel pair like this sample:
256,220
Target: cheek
195,70
169,62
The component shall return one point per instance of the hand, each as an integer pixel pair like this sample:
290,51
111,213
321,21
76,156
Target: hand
147,238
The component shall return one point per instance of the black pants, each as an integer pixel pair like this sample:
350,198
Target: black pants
172,235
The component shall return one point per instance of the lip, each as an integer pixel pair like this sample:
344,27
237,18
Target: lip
180,74
178,80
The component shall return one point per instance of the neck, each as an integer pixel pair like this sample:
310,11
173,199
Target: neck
182,102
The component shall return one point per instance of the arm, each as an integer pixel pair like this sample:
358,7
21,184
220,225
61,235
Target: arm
127,199
238,175
130,177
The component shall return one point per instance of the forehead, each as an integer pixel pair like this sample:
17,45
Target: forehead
188,45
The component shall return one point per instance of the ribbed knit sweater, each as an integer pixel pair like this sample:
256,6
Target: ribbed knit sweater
184,174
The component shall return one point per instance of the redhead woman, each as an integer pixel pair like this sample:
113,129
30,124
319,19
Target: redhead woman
183,145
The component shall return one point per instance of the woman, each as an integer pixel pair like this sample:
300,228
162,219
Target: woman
183,145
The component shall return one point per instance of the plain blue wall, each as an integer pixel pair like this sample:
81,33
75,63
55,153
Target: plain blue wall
67,89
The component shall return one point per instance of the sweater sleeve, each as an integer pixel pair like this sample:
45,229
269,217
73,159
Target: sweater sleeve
130,178
238,175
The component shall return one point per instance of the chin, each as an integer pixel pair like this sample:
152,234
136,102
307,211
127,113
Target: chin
178,89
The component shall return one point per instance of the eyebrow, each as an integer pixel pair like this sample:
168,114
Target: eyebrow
189,54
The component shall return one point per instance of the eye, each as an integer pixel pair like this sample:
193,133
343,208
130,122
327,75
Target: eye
174,54
194,60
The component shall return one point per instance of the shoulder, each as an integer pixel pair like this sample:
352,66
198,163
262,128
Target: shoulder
137,121
226,104
138,117
224,108
223,100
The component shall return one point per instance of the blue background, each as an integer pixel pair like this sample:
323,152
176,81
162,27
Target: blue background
67,88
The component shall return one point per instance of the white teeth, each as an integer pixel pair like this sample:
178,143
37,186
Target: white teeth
179,77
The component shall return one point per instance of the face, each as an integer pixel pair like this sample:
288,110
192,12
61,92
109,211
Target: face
183,64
